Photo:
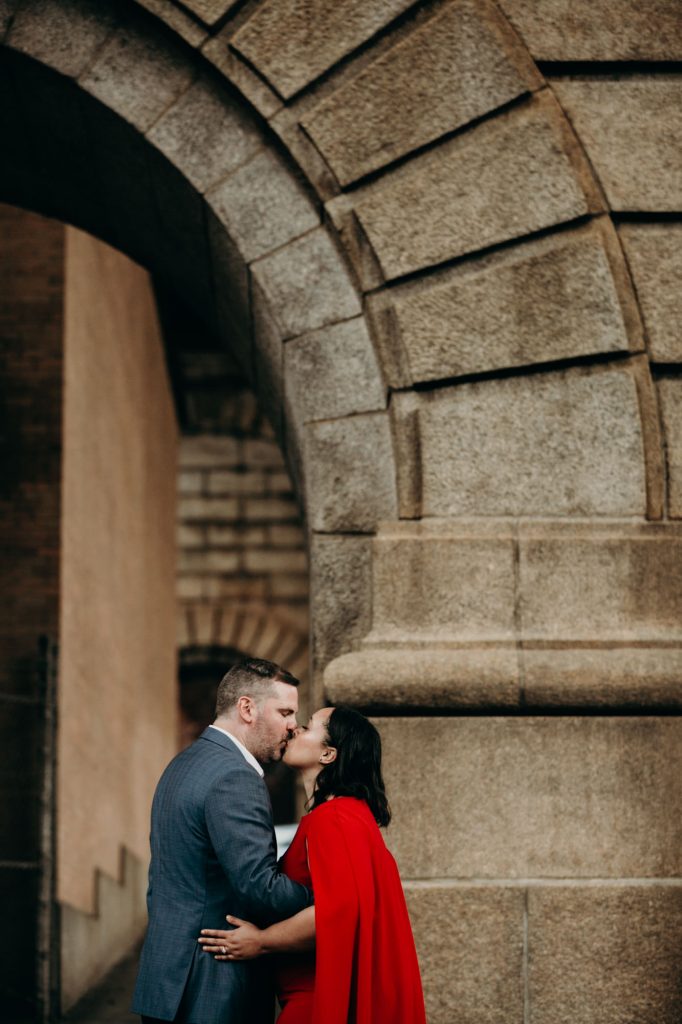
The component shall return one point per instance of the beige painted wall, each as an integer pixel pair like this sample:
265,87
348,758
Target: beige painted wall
117,717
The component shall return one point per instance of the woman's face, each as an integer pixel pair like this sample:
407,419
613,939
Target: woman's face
309,747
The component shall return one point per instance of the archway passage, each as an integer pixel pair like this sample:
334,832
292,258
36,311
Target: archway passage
497,263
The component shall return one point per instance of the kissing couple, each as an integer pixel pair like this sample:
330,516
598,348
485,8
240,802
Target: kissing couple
326,927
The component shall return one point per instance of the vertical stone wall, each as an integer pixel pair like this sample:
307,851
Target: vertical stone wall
31,312
117,705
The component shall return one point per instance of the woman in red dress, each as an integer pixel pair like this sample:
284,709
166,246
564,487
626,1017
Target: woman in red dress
351,957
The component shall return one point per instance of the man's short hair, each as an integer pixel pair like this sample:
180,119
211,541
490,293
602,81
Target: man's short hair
252,677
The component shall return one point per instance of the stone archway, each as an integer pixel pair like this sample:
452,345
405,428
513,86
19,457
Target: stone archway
454,317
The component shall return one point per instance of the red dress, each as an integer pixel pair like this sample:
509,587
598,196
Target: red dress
364,969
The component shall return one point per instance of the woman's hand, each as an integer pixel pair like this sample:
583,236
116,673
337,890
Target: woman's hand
244,942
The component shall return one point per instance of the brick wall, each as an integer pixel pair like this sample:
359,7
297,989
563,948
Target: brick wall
31,251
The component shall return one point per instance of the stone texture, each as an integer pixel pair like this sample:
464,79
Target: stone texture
557,30
307,284
206,134
457,66
605,955
567,443
65,36
176,19
470,948
230,278
505,178
350,473
442,581
670,399
333,372
618,583
340,597
268,360
630,129
209,11
263,205
558,298
419,678
7,10
626,678
654,252
535,797
138,73
291,44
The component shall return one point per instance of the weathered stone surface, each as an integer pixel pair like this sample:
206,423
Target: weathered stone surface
670,398
470,948
654,252
610,30
614,583
333,372
605,803
205,134
605,955
307,284
630,128
263,205
505,178
209,11
629,678
232,295
268,360
443,581
558,298
415,677
460,64
138,73
350,473
64,36
340,596
558,444
175,18
291,44
7,10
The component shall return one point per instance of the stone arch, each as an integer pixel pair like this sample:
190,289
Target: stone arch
501,539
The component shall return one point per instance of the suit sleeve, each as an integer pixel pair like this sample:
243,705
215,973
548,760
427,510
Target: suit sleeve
239,822
338,861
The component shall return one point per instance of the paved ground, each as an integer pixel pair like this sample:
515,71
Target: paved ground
109,1002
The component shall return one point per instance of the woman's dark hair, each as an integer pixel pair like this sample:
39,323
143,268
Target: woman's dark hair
356,771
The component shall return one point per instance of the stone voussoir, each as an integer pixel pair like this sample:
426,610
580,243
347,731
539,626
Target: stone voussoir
263,205
63,36
405,98
291,46
562,297
206,134
350,473
517,173
306,284
333,372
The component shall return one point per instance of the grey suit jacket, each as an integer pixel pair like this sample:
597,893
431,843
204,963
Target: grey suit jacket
213,853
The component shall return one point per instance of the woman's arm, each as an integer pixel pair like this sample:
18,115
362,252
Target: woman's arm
294,935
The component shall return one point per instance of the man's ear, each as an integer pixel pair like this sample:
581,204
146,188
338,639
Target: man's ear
246,707
328,755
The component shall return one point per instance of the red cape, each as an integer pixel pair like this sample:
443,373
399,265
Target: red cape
366,964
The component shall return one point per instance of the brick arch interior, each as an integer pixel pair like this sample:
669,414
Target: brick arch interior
494,514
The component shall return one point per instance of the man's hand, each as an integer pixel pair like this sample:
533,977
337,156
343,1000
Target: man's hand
244,942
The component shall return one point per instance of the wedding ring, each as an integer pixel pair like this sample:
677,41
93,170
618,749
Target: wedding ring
223,950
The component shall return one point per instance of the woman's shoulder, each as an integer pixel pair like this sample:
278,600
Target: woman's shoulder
347,810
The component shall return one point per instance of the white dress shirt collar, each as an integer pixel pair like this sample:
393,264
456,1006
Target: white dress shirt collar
248,756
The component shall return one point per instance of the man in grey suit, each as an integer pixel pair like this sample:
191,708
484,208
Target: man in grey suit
213,853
